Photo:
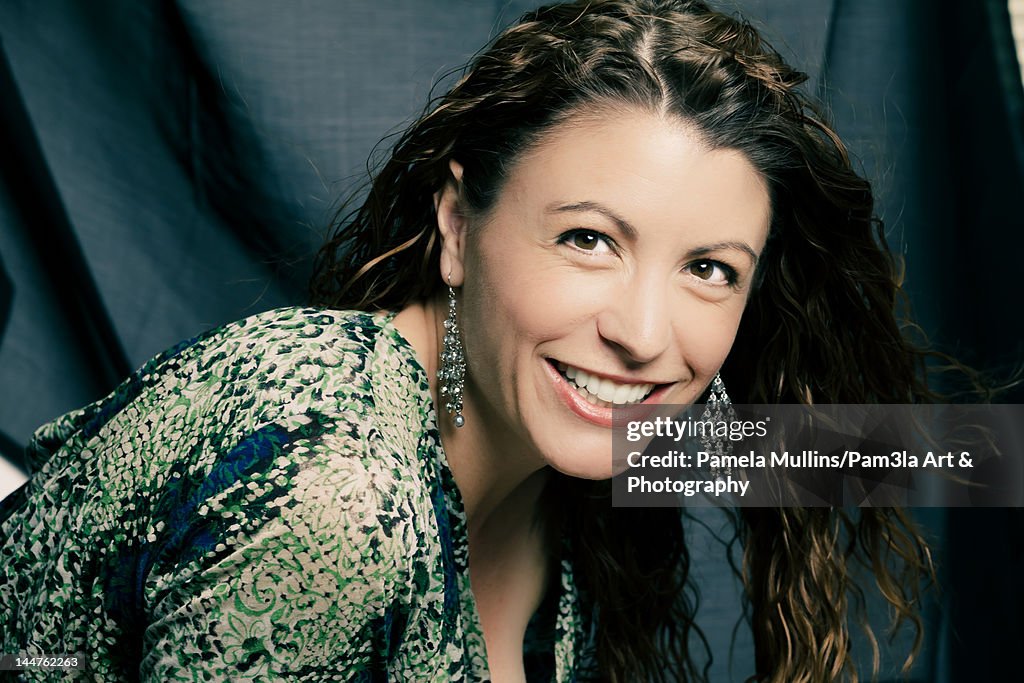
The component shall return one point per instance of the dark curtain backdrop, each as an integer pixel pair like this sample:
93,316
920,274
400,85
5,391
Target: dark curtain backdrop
170,166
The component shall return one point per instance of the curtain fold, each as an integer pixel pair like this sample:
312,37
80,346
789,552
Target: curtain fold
40,214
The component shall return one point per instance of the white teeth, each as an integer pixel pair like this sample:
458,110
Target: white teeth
606,390
602,390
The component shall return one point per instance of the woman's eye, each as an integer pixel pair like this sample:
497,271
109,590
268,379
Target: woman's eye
713,272
587,240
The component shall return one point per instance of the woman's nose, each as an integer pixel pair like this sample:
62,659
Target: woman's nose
636,319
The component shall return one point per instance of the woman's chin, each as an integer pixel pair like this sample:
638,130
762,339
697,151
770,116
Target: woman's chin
583,462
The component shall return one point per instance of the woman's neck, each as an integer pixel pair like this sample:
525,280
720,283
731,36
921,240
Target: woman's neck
500,484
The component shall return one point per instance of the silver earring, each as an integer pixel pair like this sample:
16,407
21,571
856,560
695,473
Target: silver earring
717,409
452,373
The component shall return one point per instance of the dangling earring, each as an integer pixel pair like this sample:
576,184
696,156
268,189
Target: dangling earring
452,373
718,409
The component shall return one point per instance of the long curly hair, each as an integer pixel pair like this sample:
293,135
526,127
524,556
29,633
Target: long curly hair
825,261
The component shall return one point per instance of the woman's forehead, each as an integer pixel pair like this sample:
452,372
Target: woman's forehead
647,168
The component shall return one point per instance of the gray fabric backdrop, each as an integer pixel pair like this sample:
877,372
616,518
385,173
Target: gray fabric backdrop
170,166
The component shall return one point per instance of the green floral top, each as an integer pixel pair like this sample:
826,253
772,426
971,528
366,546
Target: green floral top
267,501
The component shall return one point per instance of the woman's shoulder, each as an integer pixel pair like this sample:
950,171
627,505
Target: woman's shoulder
304,353
281,331
273,459
281,396
348,368
298,409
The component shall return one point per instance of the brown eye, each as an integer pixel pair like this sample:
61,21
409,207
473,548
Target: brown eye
703,269
588,241
713,272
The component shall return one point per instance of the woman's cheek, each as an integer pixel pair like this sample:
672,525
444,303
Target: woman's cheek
705,333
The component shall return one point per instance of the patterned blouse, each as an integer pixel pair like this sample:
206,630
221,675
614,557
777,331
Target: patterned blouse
267,501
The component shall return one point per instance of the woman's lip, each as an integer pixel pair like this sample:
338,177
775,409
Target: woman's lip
600,415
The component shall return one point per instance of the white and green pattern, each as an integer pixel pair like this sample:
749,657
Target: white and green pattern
267,501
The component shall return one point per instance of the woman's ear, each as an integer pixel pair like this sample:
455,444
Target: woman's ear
452,224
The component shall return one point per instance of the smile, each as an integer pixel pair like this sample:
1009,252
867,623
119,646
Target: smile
602,391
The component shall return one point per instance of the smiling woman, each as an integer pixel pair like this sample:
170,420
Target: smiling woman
643,250
620,202
633,200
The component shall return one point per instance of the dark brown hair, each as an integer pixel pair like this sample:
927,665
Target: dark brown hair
825,260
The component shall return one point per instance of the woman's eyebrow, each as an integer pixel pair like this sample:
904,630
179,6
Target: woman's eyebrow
623,225
718,246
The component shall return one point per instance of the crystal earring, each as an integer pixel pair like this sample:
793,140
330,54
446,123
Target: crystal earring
452,373
717,409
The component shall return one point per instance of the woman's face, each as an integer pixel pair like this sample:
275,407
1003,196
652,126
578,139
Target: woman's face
613,268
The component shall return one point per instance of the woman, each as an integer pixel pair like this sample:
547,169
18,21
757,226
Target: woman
620,202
